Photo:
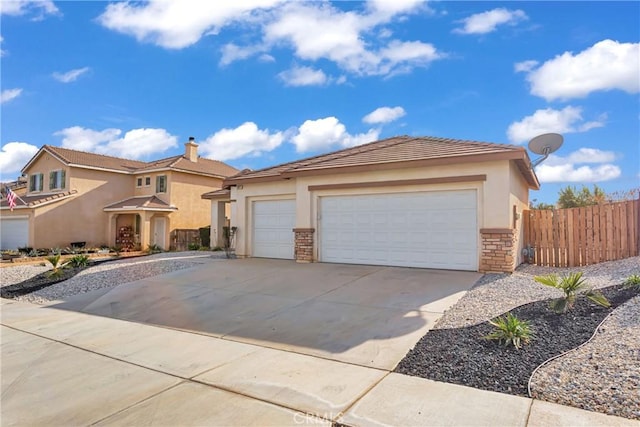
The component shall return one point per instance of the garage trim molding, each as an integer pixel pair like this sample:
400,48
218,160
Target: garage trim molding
369,184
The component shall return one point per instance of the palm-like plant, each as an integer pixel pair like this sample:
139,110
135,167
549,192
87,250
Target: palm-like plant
57,265
573,286
510,330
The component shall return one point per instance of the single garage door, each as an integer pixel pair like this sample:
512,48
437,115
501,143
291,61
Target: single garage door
435,229
273,223
14,233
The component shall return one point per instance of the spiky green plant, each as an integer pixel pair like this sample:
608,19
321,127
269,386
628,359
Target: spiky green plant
509,330
573,286
79,261
633,282
57,265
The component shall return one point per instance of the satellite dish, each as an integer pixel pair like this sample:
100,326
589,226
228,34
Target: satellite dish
544,145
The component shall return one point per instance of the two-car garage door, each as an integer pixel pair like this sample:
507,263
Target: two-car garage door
435,229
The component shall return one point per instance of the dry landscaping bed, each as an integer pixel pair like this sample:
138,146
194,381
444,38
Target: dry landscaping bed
603,375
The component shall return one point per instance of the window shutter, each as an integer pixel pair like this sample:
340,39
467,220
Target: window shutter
41,183
52,180
63,179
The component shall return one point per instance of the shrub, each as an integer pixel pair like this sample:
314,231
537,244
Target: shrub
573,286
193,246
154,249
57,265
79,261
510,330
633,282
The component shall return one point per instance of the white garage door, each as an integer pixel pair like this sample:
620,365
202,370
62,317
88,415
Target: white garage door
14,233
273,223
435,229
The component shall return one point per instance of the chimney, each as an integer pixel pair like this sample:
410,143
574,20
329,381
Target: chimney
191,150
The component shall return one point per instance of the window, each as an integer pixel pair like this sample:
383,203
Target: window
147,181
35,182
139,182
161,184
57,180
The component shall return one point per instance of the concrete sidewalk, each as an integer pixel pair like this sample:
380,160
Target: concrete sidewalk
67,368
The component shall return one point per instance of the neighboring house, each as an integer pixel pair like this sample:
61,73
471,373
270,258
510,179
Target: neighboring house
74,196
403,201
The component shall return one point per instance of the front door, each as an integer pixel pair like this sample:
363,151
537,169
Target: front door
159,232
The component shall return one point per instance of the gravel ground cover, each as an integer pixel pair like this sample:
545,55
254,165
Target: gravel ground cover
104,275
455,352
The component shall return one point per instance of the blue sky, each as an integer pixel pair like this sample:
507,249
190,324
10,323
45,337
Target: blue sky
262,82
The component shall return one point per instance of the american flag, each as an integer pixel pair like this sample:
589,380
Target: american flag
11,198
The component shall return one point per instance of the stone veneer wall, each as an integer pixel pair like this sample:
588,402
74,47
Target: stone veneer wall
498,250
303,244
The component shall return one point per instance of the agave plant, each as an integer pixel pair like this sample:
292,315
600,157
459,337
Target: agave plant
573,286
79,261
633,282
510,330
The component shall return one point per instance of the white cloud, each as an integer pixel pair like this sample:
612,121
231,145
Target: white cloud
355,40
232,52
246,139
384,115
135,144
176,24
9,94
581,156
607,65
525,66
575,167
14,156
320,31
487,22
570,173
303,76
22,7
2,51
70,76
321,134
393,7
567,120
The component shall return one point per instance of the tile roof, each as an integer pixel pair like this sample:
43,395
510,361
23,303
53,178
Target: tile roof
141,203
35,200
217,194
391,153
179,163
82,158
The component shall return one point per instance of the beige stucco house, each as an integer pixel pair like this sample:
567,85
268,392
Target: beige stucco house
74,196
403,201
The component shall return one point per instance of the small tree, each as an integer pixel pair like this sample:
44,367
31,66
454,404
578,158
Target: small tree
571,197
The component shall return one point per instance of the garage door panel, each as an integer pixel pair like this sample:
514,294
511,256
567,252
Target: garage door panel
429,229
14,233
273,223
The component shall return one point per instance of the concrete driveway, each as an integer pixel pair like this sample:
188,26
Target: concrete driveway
365,315
253,360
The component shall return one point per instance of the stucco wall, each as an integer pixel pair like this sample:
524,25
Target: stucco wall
45,164
496,196
185,193
518,197
81,218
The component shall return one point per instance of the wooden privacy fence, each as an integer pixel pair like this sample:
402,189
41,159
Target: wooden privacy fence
582,236
181,238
